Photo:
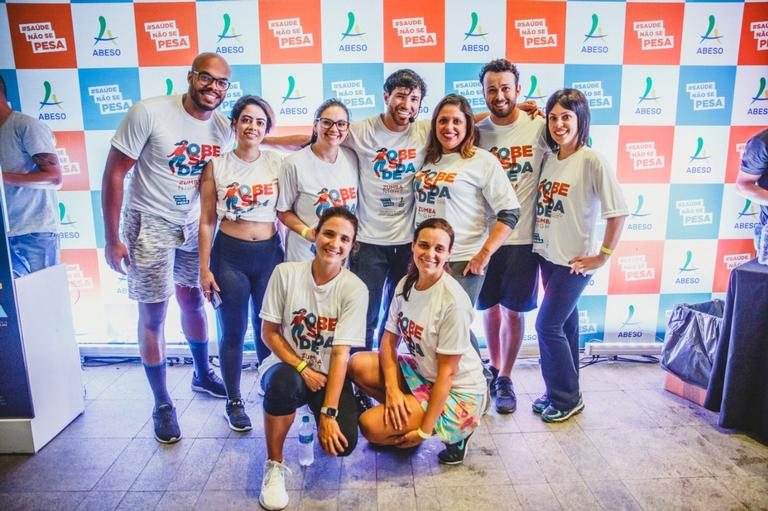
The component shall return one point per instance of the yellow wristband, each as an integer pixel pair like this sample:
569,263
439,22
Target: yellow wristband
422,435
606,250
301,366
304,232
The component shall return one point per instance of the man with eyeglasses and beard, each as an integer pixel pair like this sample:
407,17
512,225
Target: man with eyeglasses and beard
167,140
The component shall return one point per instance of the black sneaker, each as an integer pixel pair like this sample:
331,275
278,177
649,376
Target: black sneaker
209,383
363,401
166,426
540,404
236,417
506,401
492,384
454,453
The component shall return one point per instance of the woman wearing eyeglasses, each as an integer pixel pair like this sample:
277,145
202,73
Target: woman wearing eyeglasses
239,189
320,176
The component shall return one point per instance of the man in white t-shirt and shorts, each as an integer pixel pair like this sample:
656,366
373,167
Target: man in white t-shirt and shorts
511,285
169,139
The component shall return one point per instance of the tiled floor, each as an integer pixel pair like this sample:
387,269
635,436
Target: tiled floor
634,447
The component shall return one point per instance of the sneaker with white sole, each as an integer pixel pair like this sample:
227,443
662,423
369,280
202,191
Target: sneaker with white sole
454,454
166,425
238,420
210,383
273,495
552,414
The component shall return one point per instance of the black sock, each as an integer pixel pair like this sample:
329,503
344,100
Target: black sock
156,377
199,351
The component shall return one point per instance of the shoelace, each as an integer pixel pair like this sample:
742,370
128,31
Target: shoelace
273,468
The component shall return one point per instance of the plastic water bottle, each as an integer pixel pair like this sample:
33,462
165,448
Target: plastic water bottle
762,246
306,442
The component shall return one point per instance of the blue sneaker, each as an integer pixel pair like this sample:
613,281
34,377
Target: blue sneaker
552,414
236,417
540,404
167,429
453,454
209,383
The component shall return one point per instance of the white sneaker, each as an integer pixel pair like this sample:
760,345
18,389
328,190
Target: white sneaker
273,495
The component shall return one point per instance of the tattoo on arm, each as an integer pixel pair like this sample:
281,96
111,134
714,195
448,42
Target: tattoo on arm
44,160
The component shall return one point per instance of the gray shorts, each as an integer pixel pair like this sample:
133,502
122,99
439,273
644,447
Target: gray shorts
162,254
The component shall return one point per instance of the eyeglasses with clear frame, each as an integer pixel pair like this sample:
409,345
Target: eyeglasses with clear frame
205,79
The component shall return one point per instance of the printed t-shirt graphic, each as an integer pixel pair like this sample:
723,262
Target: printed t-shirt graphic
309,186
461,191
434,322
171,148
569,196
387,160
247,190
321,317
519,147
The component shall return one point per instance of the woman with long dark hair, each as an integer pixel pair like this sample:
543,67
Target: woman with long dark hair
576,185
313,314
239,189
321,175
440,388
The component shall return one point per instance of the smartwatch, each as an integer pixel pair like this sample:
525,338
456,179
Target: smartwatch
329,412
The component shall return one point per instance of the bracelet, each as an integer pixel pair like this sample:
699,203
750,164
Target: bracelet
422,435
605,250
301,366
304,232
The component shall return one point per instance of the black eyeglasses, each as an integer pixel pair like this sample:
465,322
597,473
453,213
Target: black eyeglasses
206,79
330,123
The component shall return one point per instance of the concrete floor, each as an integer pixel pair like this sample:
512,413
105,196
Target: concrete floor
635,446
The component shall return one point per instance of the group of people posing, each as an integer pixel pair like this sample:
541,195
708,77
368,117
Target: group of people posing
423,220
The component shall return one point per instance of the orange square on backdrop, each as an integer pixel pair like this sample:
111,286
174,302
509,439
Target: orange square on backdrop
290,32
645,154
414,31
737,139
653,33
730,254
70,147
536,32
753,48
166,33
82,273
636,268
42,36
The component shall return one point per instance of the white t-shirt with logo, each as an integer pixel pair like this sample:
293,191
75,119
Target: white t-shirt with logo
309,186
246,190
387,160
171,149
519,147
437,321
465,192
315,318
570,194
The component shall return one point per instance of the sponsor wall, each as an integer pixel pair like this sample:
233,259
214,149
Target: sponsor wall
675,90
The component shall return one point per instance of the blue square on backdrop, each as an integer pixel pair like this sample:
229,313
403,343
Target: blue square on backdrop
705,95
694,211
669,301
107,97
601,84
359,86
463,79
11,88
98,218
246,79
591,318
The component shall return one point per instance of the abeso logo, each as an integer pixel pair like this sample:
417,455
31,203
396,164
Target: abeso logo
759,100
595,39
629,323
708,40
699,162
471,43
105,38
352,39
50,101
68,222
534,92
228,39
687,272
648,103
292,94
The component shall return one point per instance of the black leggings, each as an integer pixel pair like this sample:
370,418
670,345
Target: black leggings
285,391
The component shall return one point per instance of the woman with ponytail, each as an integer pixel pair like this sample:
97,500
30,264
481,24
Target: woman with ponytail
439,388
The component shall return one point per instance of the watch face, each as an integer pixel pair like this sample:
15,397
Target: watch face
330,412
